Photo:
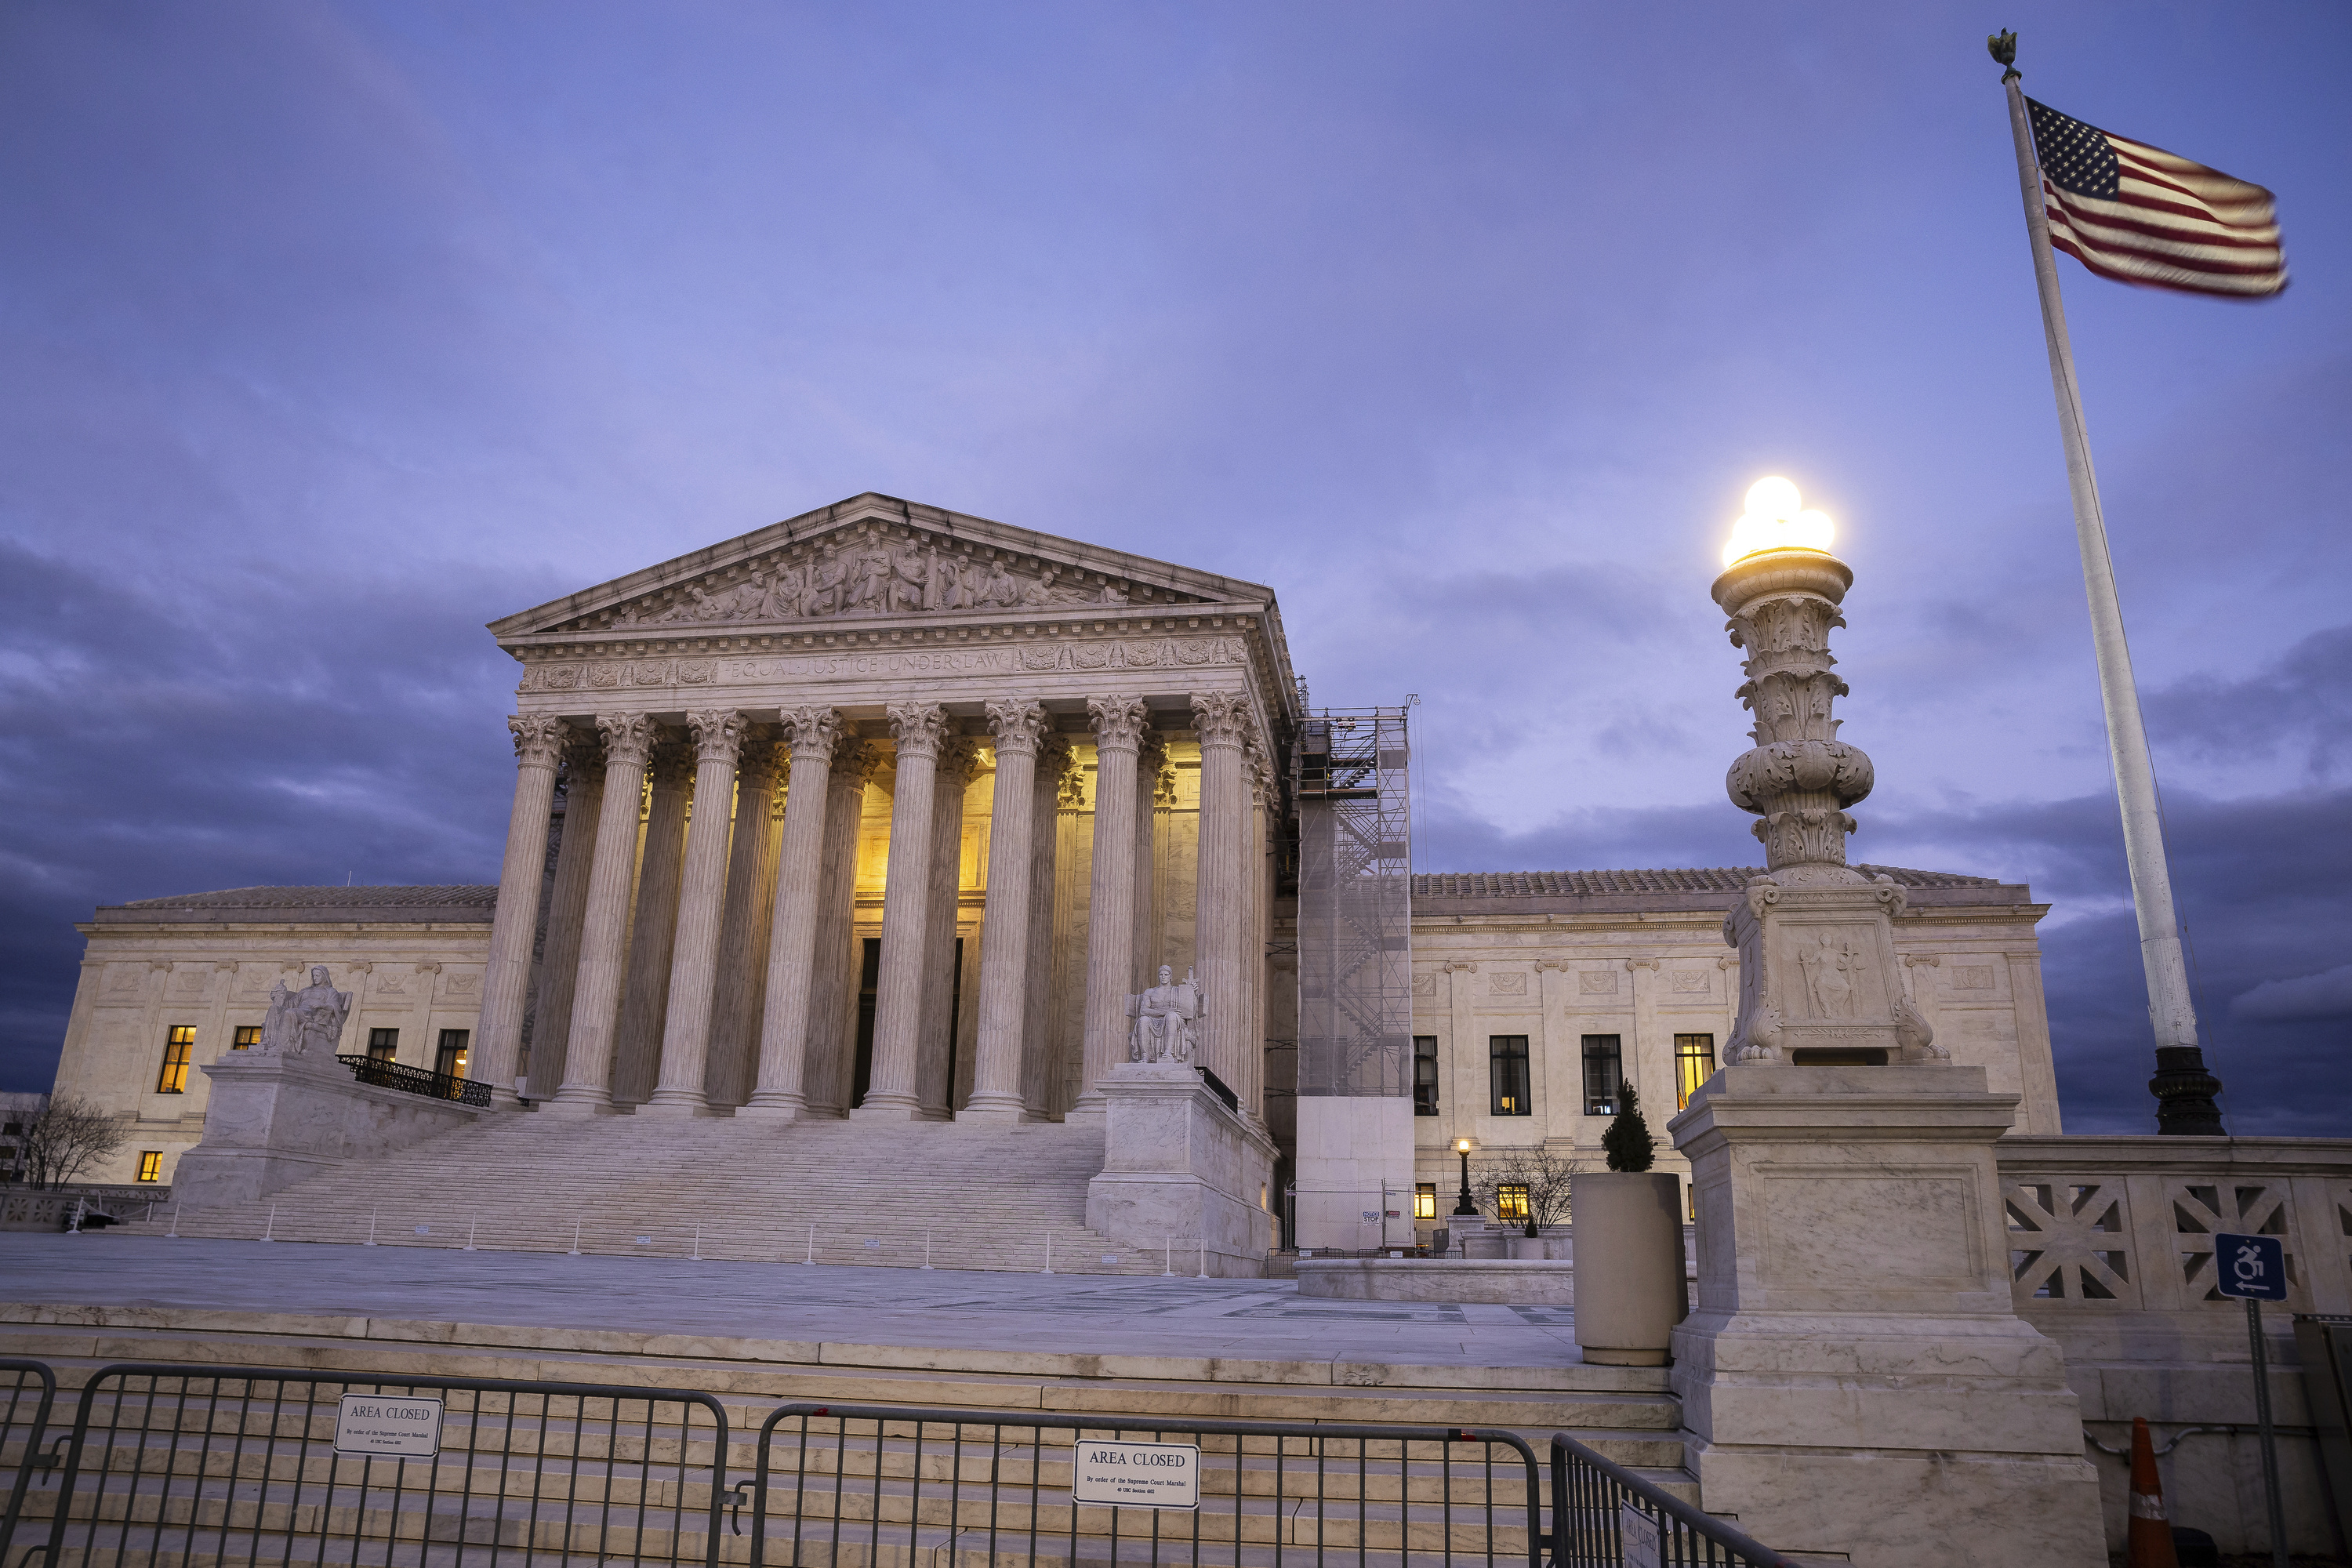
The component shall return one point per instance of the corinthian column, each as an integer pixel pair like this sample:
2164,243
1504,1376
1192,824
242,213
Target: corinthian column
604,928
830,1069
743,939
1257,871
1018,725
1110,896
934,1085
559,963
653,927
1151,762
1037,1021
539,745
702,903
905,917
782,1093
1223,721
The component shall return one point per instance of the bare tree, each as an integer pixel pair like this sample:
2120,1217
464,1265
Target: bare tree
1538,1174
70,1135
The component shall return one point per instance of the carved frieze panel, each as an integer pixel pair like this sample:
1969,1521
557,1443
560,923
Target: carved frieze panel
1597,982
1170,654
1508,982
1425,985
1972,977
1689,981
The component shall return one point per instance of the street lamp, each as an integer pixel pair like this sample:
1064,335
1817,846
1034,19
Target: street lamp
1461,1147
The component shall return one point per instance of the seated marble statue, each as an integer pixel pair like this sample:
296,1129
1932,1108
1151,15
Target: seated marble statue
1166,1020
298,1020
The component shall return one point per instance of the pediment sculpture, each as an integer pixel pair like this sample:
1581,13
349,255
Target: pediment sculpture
298,1020
868,574
1164,1022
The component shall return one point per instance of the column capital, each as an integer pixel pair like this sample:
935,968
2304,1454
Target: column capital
855,763
920,727
1056,758
765,759
539,739
1223,718
1119,721
1018,723
1641,963
1151,755
815,732
959,760
583,751
672,761
628,738
718,734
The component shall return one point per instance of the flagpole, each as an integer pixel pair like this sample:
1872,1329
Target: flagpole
2184,1105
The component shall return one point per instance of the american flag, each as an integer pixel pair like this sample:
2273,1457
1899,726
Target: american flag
2140,214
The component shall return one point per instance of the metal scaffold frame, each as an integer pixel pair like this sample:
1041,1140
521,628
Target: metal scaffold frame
1350,770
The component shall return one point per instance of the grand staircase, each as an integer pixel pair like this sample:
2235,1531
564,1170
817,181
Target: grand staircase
956,1195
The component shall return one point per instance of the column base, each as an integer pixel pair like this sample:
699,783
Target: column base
998,1110
777,1110
1091,1107
676,1107
585,1105
906,1109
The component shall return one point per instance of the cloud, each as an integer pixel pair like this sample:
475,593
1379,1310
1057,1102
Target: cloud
2327,995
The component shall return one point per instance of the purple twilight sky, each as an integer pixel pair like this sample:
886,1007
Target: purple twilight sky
330,332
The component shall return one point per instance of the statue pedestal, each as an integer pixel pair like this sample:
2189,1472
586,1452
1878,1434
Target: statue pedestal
273,1121
1855,1378
1177,1164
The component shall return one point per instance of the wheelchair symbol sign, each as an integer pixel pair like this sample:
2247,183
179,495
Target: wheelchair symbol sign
2252,1268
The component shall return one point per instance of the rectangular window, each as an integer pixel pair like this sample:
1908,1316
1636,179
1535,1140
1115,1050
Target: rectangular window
1511,1201
150,1166
1604,1074
383,1045
449,1055
1507,1072
247,1035
177,1045
1693,1064
1424,1075
1424,1200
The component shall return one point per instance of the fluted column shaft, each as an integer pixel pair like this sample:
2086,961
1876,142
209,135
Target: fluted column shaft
743,939
1257,871
829,1073
604,927
653,926
1110,896
934,1088
1038,1028
559,962
1223,720
784,1025
1150,761
996,1093
701,905
905,917
506,984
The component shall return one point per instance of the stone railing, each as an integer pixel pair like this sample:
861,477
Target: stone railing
2111,1255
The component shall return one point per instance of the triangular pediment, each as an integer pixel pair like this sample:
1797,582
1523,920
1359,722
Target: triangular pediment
875,556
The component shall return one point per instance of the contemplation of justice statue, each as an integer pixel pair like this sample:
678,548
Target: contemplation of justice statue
300,1019
1165,1021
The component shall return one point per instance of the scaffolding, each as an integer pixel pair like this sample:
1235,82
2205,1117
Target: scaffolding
1349,775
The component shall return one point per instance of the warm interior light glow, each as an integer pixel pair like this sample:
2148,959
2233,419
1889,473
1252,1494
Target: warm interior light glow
1462,1145
1776,519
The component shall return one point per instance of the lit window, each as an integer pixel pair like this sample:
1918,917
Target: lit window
1506,1072
1603,1074
1424,1075
1424,1200
1693,1064
247,1035
150,1166
1511,1201
383,1045
177,1045
449,1059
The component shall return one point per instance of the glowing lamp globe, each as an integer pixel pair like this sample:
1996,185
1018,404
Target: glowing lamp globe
1776,519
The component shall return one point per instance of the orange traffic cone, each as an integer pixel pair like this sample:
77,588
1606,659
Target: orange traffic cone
2149,1544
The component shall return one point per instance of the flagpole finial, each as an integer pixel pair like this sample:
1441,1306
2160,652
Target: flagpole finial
2003,46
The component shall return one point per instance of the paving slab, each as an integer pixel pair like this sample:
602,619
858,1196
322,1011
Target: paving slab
947,1309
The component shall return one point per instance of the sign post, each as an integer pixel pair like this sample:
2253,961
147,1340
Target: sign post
2254,1269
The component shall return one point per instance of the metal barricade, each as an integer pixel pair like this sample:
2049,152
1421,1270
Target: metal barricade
872,1485
1605,1516
214,1464
27,1390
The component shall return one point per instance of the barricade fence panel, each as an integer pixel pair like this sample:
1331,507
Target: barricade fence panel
882,1487
212,1464
1605,1516
28,1395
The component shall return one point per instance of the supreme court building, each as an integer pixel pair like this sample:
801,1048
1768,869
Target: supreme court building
887,813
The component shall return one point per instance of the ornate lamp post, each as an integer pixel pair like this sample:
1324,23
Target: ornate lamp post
1464,1207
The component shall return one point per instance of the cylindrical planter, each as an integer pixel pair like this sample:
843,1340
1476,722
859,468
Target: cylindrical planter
1630,1287
1527,1246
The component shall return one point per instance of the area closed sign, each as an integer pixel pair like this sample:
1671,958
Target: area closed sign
394,1425
1139,1475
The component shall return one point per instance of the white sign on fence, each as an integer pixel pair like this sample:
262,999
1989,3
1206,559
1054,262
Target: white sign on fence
1637,1537
1139,1475
397,1426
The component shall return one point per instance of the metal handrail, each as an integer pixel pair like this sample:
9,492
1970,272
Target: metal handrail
1737,1549
383,1074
